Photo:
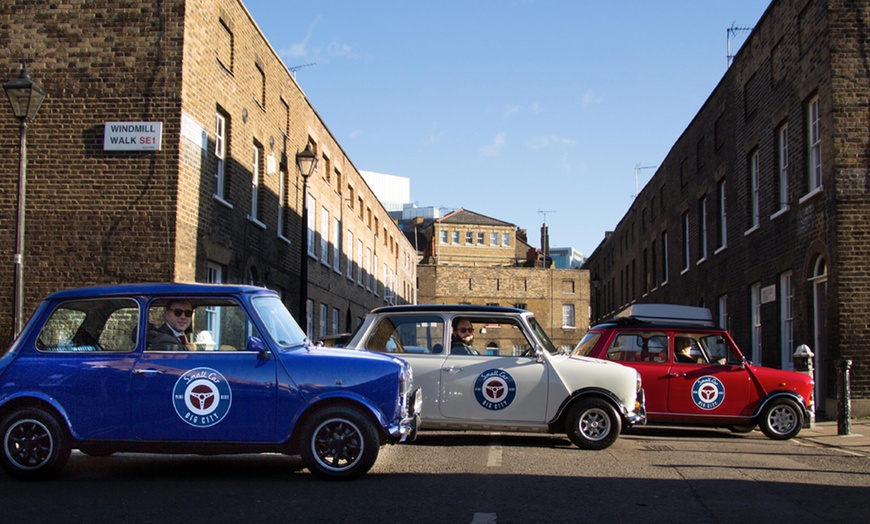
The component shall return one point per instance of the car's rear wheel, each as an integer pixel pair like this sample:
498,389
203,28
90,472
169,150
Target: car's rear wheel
339,443
592,424
782,419
35,445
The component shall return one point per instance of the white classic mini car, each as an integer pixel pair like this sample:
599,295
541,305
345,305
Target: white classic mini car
503,374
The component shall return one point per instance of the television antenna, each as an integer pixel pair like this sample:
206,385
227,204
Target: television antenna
729,33
297,68
637,169
544,212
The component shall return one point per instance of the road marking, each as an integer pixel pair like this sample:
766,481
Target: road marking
493,460
483,518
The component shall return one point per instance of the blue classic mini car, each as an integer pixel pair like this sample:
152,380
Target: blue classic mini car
193,368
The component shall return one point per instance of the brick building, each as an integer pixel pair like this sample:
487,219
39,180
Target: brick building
474,259
220,200
760,209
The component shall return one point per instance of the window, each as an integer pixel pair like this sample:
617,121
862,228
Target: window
336,245
224,44
639,346
256,182
754,211
220,153
324,236
481,238
349,250
376,282
702,229
654,270
815,145
782,168
335,320
359,261
469,237
282,205
506,239
260,97
368,269
786,319
664,257
685,237
91,326
324,311
455,237
755,321
443,236
309,317
568,316
493,239
723,312
723,222
311,224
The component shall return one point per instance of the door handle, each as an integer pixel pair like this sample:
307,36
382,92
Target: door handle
147,372
676,374
452,369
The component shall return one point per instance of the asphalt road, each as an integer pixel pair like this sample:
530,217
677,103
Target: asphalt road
651,474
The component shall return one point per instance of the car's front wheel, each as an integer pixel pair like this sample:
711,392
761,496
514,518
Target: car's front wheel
35,445
592,424
782,419
339,443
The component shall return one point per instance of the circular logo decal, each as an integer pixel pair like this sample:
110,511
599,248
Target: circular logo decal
202,397
495,389
708,392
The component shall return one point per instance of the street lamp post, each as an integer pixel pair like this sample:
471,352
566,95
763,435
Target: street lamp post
306,161
26,97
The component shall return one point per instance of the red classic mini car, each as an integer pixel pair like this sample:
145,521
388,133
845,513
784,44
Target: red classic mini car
694,374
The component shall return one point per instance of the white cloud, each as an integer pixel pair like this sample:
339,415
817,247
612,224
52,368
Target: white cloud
544,141
590,97
511,111
495,146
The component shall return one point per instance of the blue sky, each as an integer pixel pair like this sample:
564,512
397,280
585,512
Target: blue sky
522,110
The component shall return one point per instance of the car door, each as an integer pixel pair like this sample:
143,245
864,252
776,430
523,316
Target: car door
707,386
503,383
647,351
214,391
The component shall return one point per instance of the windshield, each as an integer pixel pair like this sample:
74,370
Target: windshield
278,322
585,346
542,335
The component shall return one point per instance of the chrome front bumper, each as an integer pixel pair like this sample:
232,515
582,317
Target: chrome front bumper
406,429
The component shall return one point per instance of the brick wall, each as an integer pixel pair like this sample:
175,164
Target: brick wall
798,51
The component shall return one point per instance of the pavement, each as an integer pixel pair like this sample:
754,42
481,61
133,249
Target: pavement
854,438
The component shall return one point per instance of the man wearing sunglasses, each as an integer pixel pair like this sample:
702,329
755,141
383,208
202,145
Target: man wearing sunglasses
173,334
462,337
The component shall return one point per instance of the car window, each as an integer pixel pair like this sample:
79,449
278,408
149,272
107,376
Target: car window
497,337
91,325
585,346
639,346
718,350
216,325
408,334
688,349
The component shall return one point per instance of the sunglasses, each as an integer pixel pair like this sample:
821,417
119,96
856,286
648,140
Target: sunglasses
180,312
466,330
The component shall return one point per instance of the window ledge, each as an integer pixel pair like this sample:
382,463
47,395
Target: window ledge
257,222
751,230
222,201
811,194
782,211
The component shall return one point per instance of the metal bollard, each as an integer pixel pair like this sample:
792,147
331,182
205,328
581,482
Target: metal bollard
844,402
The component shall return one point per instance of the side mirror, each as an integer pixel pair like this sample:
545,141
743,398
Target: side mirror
257,344
539,354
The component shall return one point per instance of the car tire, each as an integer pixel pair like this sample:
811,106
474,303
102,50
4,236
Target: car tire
781,419
339,443
35,445
592,424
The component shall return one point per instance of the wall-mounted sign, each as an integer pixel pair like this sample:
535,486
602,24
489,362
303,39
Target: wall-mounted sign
133,136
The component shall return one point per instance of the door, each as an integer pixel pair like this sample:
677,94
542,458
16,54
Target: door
213,391
503,383
702,384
